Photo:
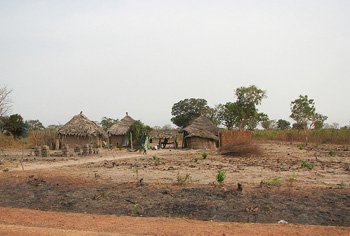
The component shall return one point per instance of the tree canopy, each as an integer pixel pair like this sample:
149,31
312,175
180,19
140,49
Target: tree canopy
185,111
304,113
35,125
107,123
283,124
13,124
243,113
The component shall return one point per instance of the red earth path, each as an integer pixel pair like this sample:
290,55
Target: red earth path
27,222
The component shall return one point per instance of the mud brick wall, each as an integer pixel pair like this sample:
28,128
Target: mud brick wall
235,136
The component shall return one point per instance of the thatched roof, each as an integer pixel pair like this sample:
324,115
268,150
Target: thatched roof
164,133
80,125
121,127
202,127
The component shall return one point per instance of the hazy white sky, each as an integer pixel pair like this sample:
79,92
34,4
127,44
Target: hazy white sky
109,57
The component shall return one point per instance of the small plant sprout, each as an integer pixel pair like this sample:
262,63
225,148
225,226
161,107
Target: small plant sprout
196,159
204,155
136,209
220,177
6,169
274,182
332,154
292,179
183,180
156,160
305,164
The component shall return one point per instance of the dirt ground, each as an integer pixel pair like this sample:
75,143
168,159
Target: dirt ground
302,186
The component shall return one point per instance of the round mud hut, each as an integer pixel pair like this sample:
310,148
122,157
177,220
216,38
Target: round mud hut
80,131
117,133
201,134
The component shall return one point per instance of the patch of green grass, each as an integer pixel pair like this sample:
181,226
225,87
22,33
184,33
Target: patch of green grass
204,155
305,164
196,159
274,181
6,169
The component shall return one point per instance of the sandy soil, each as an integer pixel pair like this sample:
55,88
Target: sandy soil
121,183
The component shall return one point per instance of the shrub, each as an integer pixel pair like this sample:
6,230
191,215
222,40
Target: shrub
184,180
156,160
220,177
305,164
204,155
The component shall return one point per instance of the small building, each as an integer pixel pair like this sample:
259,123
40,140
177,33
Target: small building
80,131
202,133
164,137
117,133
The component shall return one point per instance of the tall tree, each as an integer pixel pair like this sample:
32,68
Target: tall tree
213,114
243,113
269,124
283,124
247,100
304,113
107,123
14,125
185,111
5,101
35,125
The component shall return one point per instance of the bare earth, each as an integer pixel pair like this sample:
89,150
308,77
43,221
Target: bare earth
102,194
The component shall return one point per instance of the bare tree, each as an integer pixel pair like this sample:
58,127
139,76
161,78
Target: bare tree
5,101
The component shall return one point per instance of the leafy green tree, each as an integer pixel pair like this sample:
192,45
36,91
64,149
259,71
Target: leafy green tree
213,114
185,111
247,100
107,123
243,113
136,130
304,113
54,128
228,114
14,125
35,125
269,124
283,124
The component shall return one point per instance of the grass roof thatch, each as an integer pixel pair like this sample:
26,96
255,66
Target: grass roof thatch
164,133
80,125
202,127
121,127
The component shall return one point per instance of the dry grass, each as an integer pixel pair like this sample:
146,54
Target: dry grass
241,149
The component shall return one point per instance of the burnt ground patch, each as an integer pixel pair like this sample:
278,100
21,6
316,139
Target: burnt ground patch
316,206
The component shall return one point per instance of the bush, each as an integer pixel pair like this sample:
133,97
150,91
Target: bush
220,177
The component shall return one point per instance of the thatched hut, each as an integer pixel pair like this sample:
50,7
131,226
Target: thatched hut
117,133
80,131
163,137
202,133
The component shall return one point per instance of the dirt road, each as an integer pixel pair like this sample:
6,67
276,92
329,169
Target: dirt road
32,222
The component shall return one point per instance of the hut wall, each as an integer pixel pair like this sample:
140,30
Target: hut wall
200,143
235,136
72,140
116,139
